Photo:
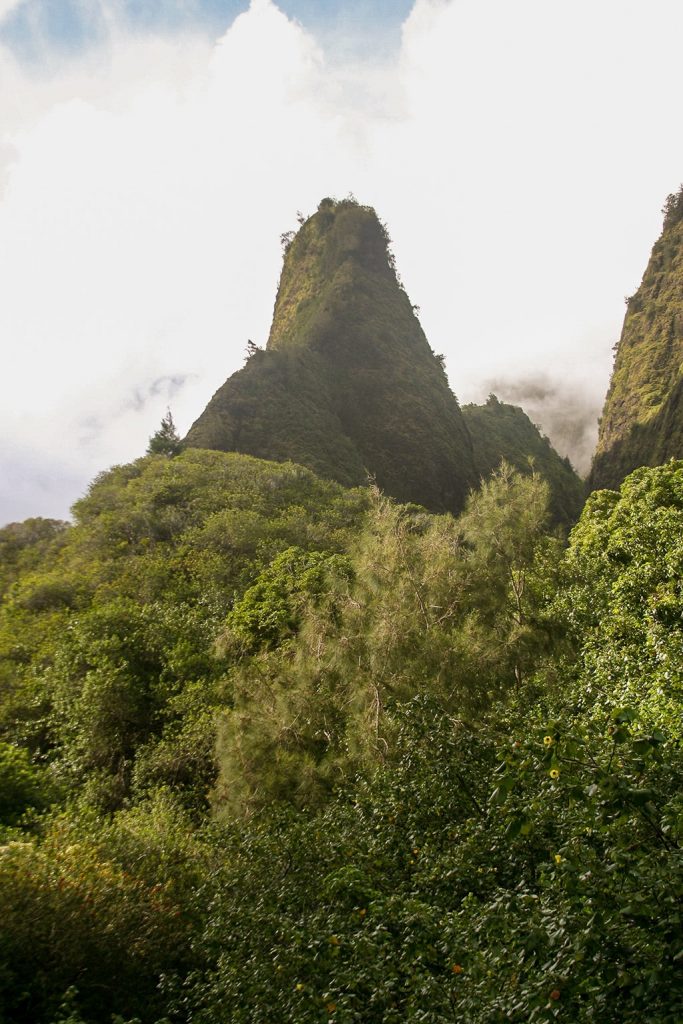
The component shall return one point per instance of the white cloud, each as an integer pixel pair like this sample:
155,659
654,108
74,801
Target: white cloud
7,6
519,153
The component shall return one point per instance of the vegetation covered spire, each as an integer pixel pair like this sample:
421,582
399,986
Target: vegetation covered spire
642,421
348,384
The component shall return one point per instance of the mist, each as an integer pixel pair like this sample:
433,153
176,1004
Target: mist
563,410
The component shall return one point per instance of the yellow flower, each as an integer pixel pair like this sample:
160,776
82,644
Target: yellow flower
554,773
300,986
558,858
548,741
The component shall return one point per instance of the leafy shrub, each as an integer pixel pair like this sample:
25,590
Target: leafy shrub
22,785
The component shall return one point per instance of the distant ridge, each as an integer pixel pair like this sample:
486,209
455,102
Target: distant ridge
502,431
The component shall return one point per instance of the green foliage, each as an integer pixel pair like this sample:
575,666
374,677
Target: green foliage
596,920
357,944
23,546
108,658
448,771
525,869
673,209
114,678
622,593
432,605
23,786
512,630
470,880
166,440
106,906
270,611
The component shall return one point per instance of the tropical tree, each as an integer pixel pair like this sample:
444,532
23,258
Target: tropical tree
166,440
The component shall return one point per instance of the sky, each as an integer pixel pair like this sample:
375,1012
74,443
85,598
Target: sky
152,152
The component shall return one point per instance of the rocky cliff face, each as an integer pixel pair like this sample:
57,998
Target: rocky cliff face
348,384
642,422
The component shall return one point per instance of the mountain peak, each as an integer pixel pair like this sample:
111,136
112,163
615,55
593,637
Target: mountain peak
348,384
342,243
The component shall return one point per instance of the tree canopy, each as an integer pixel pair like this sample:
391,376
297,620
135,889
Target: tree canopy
270,746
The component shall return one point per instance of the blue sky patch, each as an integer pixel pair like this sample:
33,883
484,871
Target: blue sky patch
68,27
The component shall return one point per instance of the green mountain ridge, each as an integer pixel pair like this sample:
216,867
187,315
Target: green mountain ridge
642,421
